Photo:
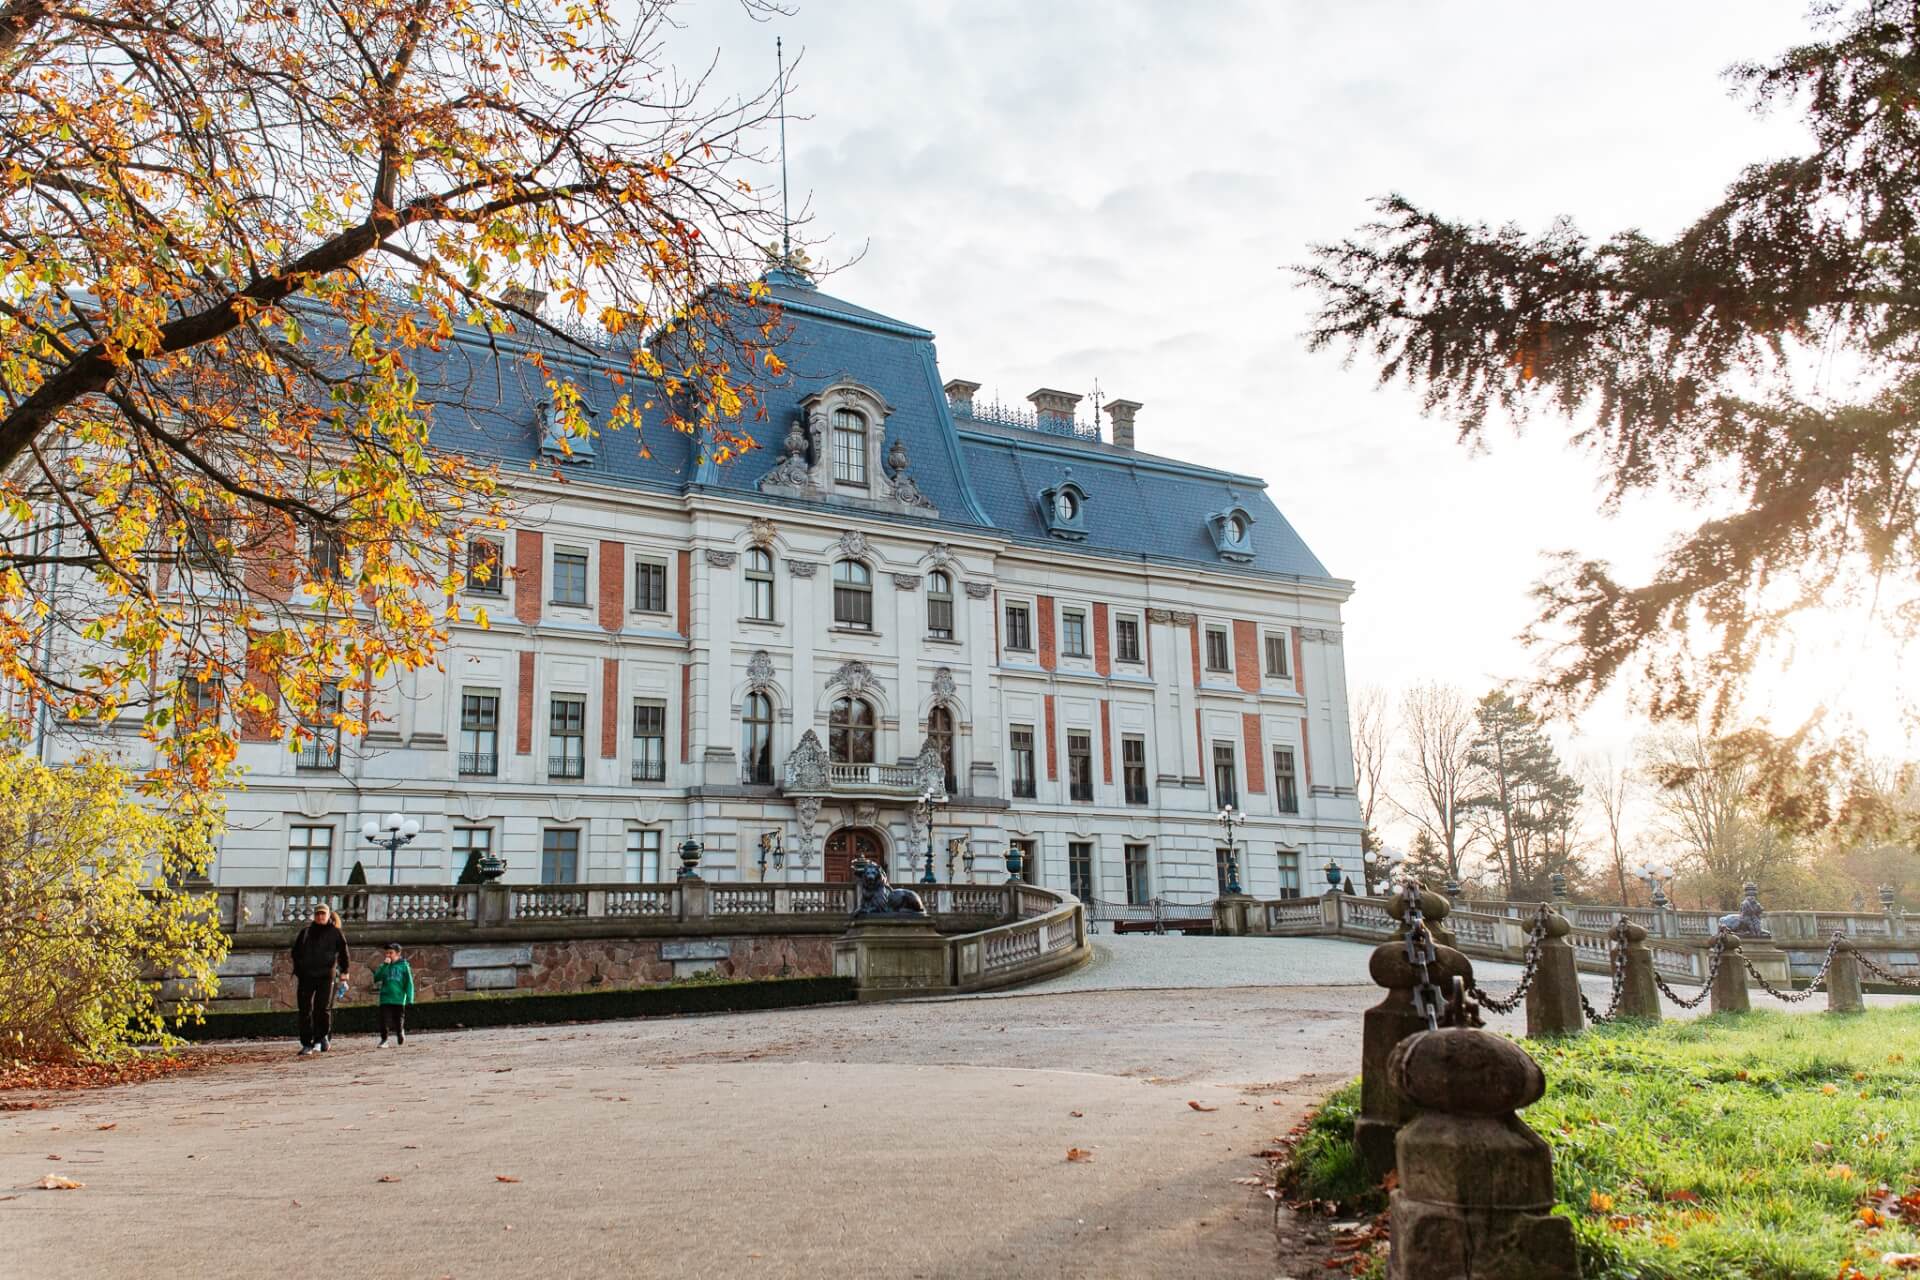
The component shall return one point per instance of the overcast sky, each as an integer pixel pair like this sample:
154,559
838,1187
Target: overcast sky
1066,191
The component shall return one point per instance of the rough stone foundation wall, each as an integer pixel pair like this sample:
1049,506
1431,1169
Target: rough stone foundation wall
256,979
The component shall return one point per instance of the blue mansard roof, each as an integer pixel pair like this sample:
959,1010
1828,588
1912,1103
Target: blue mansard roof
978,474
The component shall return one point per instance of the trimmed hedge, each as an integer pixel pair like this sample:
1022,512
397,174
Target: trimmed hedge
510,1010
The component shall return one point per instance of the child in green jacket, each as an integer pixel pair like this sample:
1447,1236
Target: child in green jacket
395,981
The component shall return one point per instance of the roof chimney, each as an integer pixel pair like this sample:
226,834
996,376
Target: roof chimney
960,396
1054,409
1122,411
524,297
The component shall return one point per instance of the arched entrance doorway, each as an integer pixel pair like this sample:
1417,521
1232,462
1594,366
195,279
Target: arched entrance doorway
848,843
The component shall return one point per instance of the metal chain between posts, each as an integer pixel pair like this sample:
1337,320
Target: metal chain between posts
1617,962
1439,1007
1884,974
1706,987
1805,993
1530,968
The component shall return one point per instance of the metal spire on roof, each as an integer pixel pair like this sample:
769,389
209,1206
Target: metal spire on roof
786,248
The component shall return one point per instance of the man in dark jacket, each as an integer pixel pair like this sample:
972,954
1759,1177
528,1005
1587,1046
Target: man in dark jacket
318,951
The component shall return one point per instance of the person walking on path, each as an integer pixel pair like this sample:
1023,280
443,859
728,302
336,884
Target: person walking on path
395,982
319,950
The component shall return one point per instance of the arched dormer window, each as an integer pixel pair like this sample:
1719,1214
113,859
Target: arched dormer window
758,569
849,448
756,740
1063,508
850,732
852,595
1232,530
939,605
940,733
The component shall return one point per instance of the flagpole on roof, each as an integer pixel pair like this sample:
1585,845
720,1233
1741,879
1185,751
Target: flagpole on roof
786,249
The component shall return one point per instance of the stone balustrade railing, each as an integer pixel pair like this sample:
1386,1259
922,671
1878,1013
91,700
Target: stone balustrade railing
454,909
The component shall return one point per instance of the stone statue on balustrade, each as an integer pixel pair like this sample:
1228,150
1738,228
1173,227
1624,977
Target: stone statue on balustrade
878,897
1751,920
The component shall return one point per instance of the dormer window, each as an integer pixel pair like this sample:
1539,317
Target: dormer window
1064,508
557,442
849,448
1232,531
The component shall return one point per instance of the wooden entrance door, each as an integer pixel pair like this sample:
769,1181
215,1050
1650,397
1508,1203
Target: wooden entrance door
846,844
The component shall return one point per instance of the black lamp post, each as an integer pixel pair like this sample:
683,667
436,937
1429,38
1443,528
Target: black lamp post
928,799
390,835
1227,817
770,848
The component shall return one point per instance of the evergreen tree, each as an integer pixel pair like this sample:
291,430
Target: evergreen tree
358,875
1521,796
1767,355
470,873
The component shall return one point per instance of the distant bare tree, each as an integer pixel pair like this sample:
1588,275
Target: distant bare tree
1372,741
1612,785
1438,725
1703,794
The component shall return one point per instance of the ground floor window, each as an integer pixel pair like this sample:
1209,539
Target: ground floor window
560,856
1080,869
1221,856
1289,873
470,846
1029,861
309,855
1139,882
643,855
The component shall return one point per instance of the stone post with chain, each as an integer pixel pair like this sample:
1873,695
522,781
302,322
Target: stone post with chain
1730,980
1397,1016
1639,997
1843,980
1553,1001
1475,1196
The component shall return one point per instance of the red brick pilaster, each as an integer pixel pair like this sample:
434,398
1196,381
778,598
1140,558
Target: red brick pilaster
1053,767
613,578
1106,743
523,707
1306,754
529,580
1193,636
257,725
1256,762
1043,605
686,705
609,708
1246,657
1299,680
1102,651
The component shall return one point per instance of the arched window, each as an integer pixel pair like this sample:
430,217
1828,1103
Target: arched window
849,448
939,605
850,732
759,571
940,733
853,595
756,741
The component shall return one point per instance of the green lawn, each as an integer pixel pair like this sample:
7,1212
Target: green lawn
1762,1146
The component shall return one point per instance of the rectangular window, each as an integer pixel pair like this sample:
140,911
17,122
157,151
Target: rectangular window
1080,869
567,737
852,597
649,586
649,742
1225,789
204,536
485,557
1289,873
326,554
320,748
643,855
850,455
560,855
1020,737
309,855
1277,655
1139,882
480,733
1126,639
470,845
202,698
1217,652
1222,875
1080,766
1019,628
759,578
940,615
1073,633
1133,767
1029,860
1286,787
569,576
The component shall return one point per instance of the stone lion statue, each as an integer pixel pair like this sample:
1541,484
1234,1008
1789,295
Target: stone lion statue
1751,920
878,898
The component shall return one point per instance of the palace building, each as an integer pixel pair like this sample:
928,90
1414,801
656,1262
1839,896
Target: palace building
1081,649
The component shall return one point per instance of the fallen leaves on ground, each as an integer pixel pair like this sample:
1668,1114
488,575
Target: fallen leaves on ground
504,1177
112,1124
1200,1106
1078,1155
386,1177
54,1182
1077,1115
53,1077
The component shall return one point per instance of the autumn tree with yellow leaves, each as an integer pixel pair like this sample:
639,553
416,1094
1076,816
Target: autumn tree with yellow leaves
227,230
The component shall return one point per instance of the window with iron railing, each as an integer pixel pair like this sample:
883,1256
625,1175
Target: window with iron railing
1226,788
567,738
1286,786
1133,767
1020,740
1080,766
1289,873
319,743
850,731
756,741
1139,881
479,734
486,560
649,742
1080,869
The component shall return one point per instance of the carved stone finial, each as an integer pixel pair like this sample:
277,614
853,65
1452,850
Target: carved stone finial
853,543
928,767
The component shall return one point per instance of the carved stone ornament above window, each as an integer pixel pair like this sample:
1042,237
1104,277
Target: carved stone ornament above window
854,543
943,686
807,764
721,559
907,581
1321,635
853,675
978,590
760,532
1183,619
759,669
1162,616
801,568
